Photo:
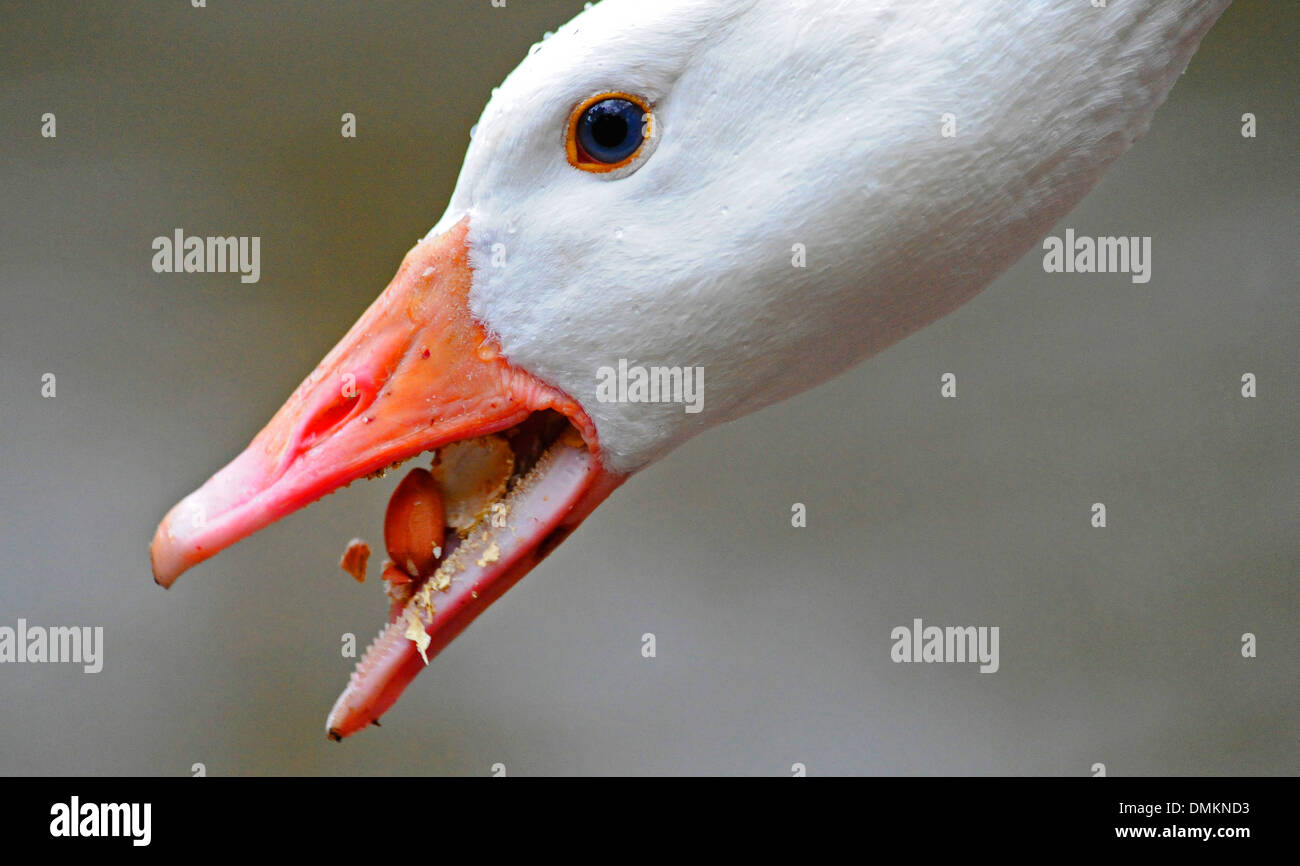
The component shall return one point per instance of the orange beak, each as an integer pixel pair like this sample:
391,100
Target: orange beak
416,372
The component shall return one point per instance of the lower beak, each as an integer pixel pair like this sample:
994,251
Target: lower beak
415,373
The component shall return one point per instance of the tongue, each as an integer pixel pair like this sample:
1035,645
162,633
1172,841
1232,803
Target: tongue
542,509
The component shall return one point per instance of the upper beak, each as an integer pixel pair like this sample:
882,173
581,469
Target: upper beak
414,373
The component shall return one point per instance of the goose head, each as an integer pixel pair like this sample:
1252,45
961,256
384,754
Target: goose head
769,191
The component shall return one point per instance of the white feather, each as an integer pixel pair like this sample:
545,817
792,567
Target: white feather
782,122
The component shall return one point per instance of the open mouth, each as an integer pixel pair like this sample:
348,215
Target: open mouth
516,467
504,507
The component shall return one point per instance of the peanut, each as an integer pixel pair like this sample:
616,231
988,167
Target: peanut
414,524
472,475
355,558
399,589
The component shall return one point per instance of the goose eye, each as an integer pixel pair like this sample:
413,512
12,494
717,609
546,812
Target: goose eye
608,132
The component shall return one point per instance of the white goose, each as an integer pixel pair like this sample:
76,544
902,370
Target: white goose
637,190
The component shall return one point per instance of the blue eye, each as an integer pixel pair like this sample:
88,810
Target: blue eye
610,131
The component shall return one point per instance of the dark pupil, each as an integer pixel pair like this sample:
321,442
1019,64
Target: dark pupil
609,130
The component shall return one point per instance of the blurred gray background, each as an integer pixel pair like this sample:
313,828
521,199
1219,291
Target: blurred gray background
1118,646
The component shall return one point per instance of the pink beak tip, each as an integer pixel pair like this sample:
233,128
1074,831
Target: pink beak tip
165,571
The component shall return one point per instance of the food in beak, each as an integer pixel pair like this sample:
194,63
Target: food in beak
413,524
399,588
473,474
516,468
555,483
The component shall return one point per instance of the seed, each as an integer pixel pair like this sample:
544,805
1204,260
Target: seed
413,524
355,558
394,576
472,475
399,589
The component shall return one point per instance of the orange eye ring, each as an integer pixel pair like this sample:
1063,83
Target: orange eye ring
578,156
